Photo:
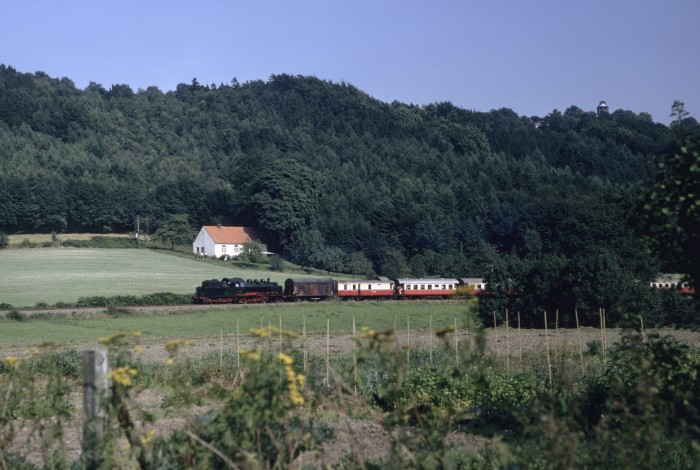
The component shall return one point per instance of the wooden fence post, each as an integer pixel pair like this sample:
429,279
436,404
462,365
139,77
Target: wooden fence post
408,346
430,338
507,344
354,356
328,353
546,335
456,346
95,398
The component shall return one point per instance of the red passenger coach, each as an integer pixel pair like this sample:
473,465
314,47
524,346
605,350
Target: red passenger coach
426,288
364,289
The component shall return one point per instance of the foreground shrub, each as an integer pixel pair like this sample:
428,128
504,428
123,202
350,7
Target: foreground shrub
34,399
643,411
264,423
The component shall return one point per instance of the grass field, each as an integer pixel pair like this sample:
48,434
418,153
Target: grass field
50,275
376,315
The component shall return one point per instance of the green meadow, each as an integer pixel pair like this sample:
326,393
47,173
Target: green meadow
201,323
50,275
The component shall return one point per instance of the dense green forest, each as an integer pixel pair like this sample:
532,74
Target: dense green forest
548,207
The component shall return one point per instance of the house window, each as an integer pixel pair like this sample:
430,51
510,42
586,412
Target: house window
223,248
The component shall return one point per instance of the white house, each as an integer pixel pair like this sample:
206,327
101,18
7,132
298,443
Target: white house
218,241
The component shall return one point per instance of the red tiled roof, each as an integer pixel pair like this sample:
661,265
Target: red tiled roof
229,235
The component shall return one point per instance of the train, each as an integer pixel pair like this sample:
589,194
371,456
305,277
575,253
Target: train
244,291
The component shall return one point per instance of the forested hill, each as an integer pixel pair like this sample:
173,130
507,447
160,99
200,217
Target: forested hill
329,175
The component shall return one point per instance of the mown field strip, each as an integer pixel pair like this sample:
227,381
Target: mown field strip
188,324
50,275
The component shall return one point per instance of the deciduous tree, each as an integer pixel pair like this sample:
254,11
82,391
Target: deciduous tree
176,230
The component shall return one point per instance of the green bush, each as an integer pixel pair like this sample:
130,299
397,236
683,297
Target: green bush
4,240
643,411
26,243
16,315
262,425
161,298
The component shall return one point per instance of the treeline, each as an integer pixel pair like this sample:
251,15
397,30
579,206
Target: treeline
336,179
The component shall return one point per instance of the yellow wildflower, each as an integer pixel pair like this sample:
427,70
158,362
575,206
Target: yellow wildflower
169,362
276,331
253,355
286,360
296,397
172,345
123,375
136,333
148,437
260,332
367,333
111,338
11,360
138,350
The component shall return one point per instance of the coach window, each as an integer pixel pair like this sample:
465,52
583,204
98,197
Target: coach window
345,287
354,287
369,286
430,287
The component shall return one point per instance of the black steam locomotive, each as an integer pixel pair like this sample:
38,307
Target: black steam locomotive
237,290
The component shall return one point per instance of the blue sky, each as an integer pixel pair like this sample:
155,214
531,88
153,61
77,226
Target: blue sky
530,56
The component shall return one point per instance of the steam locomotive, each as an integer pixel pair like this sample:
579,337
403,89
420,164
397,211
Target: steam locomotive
237,290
